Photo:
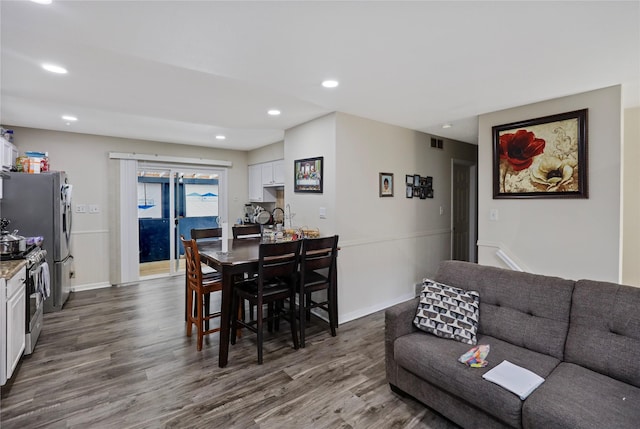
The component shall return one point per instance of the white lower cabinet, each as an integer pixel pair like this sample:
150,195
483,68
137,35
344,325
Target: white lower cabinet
15,291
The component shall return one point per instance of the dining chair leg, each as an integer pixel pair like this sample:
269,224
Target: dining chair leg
333,310
188,313
200,321
308,306
259,333
207,304
292,319
234,320
302,318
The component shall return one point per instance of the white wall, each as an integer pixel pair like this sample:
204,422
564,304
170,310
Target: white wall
85,158
631,198
387,244
272,152
570,238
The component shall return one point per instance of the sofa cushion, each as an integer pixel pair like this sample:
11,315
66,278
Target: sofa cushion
436,361
576,397
448,312
604,334
524,309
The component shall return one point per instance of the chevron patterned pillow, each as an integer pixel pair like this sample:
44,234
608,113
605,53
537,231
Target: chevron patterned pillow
448,312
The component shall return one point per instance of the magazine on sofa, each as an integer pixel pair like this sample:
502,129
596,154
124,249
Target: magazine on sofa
514,378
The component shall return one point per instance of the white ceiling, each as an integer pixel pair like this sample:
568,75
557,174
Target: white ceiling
183,71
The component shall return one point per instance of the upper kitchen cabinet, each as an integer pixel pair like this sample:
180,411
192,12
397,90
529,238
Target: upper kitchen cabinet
8,155
273,173
263,179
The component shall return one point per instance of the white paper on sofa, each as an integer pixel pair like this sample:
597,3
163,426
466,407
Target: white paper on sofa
514,378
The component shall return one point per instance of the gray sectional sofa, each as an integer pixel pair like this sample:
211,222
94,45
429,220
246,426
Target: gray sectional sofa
582,337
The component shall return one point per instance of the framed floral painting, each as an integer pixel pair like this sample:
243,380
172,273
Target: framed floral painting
541,158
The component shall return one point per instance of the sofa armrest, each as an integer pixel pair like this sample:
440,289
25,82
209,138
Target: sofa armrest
398,322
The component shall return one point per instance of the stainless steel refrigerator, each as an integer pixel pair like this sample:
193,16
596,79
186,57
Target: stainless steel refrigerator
40,205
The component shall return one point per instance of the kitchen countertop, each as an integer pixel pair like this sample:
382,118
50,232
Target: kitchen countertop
8,269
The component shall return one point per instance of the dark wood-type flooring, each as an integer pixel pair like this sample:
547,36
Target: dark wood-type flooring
119,358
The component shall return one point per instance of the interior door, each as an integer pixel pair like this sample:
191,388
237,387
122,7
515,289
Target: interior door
460,211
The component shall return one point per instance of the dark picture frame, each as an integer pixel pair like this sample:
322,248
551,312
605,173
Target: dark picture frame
385,184
308,175
408,179
416,180
409,190
541,158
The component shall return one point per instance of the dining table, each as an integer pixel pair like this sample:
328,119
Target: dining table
241,256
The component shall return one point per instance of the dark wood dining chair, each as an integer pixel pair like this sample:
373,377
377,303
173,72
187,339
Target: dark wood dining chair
318,272
203,233
199,288
207,273
275,283
246,231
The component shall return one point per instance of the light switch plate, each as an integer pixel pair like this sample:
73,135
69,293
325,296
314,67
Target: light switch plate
94,208
323,212
81,208
493,214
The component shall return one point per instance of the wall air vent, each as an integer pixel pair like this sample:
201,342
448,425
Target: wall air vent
436,143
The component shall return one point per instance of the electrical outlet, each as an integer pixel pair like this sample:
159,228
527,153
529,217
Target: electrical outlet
81,208
94,208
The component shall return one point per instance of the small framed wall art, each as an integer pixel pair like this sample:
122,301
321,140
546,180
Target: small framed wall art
385,184
308,175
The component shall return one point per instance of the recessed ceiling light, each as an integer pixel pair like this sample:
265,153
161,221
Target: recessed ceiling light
54,68
220,137
69,118
42,1
330,83
447,126
274,112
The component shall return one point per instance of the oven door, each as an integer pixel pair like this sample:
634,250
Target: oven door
35,307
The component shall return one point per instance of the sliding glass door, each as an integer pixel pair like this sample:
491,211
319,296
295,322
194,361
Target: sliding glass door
171,201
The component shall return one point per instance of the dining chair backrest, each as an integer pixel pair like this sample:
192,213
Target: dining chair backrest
278,260
192,261
319,253
202,233
246,231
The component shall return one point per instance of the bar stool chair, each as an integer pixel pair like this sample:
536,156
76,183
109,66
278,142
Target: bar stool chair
318,254
275,283
201,288
208,273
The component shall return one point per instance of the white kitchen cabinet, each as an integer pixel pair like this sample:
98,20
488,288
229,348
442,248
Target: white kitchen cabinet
273,173
263,179
8,155
255,183
278,172
14,337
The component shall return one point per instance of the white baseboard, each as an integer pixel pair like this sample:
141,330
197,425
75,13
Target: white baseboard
90,286
361,312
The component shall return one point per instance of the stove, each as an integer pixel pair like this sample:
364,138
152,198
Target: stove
38,280
18,255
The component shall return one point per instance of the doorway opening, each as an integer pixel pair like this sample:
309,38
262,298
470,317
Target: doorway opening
464,211
171,201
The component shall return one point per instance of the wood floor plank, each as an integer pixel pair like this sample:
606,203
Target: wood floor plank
119,358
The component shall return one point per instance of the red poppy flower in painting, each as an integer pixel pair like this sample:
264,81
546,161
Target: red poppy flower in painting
520,148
